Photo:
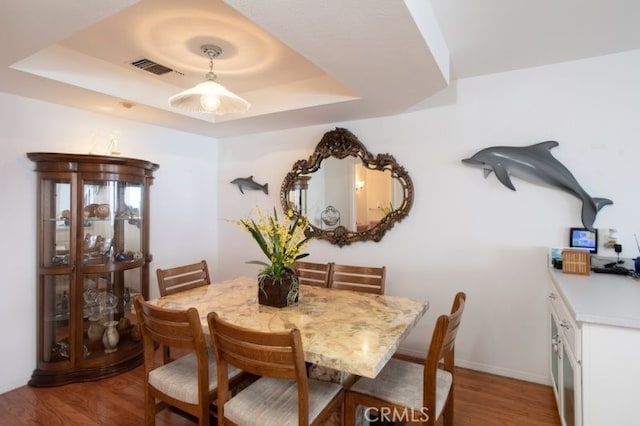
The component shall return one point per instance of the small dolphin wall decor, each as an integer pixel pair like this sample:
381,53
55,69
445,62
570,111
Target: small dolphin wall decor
535,164
249,183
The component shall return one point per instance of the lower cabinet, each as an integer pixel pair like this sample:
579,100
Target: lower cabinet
566,370
594,365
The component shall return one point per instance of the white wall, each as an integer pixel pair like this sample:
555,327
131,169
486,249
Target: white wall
465,232
183,198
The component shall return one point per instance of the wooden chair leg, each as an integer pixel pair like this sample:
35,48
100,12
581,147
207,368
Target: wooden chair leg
447,411
203,416
349,410
149,409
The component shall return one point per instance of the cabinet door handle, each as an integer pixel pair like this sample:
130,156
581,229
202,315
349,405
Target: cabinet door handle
564,324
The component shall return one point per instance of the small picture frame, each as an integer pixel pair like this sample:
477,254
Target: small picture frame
583,238
555,256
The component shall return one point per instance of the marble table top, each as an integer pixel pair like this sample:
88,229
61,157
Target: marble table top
349,331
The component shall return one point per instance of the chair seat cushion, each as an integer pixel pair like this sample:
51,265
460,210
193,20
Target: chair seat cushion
271,401
400,382
179,378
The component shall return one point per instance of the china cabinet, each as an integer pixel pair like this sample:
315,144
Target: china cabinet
93,257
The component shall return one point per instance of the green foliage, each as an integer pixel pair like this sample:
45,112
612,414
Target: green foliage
281,242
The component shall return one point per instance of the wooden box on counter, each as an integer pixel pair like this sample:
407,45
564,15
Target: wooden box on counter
576,261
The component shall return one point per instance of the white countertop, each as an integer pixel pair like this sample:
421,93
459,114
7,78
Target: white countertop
600,298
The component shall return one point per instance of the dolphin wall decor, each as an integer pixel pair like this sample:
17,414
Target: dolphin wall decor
249,183
535,164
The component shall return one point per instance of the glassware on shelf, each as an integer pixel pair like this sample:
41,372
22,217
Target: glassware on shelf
91,307
108,303
90,295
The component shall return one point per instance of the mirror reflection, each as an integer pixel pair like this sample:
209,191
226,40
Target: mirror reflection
346,193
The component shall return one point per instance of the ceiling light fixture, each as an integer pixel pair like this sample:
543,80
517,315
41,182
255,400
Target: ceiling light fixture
209,96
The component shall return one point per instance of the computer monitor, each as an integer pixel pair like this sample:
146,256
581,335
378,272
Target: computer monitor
583,238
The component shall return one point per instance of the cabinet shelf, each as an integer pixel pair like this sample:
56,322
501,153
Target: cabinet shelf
64,223
59,317
88,267
113,266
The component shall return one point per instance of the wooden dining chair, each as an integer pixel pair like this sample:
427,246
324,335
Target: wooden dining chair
188,383
358,278
315,274
422,391
283,394
181,278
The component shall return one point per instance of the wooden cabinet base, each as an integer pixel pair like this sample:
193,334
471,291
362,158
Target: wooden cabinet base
42,378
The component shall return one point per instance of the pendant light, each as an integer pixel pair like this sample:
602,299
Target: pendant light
209,96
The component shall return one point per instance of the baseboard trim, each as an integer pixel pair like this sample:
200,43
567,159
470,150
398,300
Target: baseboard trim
485,368
514,374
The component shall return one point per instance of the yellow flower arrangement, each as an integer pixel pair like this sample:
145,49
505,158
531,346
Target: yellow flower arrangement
281,242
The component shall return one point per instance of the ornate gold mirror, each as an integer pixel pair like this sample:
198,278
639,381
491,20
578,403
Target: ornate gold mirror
347,193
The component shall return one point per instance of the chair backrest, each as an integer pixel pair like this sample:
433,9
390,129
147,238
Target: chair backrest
271,354
316,274
180,278
358,278
175,328
441,352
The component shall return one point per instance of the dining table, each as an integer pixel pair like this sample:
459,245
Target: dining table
349,331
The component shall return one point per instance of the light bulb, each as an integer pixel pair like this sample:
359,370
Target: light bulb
209,102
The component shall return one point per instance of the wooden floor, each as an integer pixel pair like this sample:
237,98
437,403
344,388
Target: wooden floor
480,400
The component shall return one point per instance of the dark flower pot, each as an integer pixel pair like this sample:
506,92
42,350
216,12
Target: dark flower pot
278,292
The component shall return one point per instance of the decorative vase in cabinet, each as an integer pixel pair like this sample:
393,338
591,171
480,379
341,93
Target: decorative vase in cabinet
95,330
111,337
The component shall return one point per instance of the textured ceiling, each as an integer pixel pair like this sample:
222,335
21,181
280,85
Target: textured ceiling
297,62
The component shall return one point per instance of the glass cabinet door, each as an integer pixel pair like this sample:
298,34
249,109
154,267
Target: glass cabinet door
56,222
107,302
56,340
112,222
111,266
568,390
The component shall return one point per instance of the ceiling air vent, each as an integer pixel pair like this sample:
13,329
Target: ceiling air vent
152,67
